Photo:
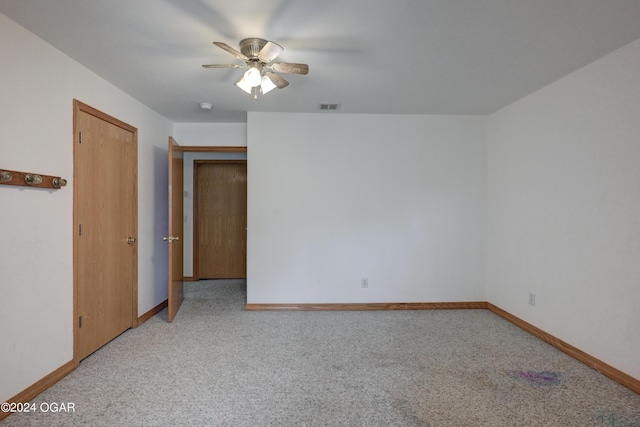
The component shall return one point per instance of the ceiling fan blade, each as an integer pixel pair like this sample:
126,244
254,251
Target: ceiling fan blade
223,66
289,68
231,50
269,52
277,80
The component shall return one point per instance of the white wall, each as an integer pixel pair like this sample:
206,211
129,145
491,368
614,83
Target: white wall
564,209
211,134
335,198
37,86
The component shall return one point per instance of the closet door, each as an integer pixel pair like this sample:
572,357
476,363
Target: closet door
106,217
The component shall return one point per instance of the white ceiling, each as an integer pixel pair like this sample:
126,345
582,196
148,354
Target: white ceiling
372,56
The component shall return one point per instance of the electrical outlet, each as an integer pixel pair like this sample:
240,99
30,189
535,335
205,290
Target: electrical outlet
532,299
364,282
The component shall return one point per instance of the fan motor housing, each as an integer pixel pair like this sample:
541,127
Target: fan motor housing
251,47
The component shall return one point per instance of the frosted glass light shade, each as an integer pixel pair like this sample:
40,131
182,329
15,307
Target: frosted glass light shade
253,77
242,84
267,85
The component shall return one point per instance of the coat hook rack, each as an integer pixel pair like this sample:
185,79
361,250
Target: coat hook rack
28,179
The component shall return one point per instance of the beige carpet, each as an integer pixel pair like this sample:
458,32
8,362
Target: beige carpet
218,365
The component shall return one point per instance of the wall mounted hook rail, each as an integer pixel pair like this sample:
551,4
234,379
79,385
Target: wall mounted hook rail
28,179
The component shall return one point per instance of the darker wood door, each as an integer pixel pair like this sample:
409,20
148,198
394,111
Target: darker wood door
221,219
105,248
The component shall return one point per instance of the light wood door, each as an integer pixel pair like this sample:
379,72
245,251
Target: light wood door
105,248
174,238
221,219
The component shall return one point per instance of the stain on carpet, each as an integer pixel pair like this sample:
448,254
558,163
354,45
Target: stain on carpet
612,419
544,378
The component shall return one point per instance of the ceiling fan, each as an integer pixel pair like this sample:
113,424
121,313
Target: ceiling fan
258,55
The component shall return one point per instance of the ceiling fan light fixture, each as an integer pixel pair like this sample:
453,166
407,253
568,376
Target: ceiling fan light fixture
253,77
267,85
262,74
244,85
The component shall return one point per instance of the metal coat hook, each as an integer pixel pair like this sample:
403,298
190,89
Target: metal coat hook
58,182
5,176
33,179
27,179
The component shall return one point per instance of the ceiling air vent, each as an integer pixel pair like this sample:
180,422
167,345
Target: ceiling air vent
328,107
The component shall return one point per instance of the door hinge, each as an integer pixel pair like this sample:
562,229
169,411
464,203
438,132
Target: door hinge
79,229
80,137
80,322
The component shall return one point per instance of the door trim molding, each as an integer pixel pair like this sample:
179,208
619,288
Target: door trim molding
78,107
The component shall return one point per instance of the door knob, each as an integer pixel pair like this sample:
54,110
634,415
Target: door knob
170,239
131,240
